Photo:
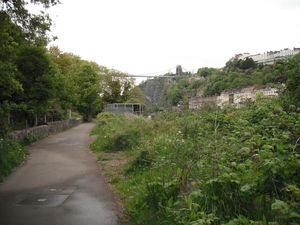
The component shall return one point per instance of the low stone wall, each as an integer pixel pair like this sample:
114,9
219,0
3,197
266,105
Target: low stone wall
39,132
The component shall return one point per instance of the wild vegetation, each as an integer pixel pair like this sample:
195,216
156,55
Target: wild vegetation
214,166
12,154
229,166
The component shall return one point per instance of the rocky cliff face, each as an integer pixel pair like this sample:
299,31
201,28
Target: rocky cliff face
155,91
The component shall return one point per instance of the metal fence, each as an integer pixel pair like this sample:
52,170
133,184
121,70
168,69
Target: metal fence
134,108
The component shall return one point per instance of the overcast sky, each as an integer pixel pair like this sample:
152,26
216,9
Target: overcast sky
145,36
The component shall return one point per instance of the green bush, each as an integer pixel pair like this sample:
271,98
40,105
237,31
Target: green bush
141,162
229,166
12,154
118,132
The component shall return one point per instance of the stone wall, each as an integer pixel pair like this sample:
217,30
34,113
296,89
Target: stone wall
198,102
234,97
39,132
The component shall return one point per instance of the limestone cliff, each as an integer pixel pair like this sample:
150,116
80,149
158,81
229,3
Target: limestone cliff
155,91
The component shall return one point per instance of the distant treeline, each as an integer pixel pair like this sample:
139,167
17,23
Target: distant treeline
39,83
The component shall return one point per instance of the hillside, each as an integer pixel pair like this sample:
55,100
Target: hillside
212,81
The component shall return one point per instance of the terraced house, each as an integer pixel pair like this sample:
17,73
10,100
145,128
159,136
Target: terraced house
235,97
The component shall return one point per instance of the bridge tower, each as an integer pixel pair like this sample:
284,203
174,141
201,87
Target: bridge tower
179,71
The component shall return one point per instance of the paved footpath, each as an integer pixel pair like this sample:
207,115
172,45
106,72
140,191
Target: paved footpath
59,184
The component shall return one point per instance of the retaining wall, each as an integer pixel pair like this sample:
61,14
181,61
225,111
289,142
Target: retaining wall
39,132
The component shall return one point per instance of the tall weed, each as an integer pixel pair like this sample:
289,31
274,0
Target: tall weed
229,166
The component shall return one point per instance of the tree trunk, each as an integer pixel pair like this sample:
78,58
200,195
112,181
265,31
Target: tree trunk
36,120
26,128
8,118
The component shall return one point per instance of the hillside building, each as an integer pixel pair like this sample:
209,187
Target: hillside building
236,97
270,57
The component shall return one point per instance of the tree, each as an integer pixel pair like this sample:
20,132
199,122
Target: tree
240,64
10,40
292,69
35,27
247,64
175,94
116,86
69,66
206,71
88,80
37,76
81,82
136,95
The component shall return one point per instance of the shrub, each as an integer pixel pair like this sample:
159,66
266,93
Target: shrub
229,166
12,154
119,132
141,162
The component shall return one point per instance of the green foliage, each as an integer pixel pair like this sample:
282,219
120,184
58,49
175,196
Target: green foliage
229,166
176,92
34,83
35,27
10,40
116,86
241,64
27,74
247,64
136,96
119,132
37,78
141,162
12,154
238,75
292,69
205,71
88,92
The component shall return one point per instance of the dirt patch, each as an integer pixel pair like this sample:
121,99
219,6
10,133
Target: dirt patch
115,162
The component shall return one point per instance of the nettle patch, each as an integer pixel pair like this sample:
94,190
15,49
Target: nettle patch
229,166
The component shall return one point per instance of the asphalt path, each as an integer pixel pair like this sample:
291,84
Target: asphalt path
59,184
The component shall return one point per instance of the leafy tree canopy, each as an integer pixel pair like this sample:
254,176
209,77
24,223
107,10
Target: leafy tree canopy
10,40
34,26
206,71
116,86
36,74
136,95
89,101
292,69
